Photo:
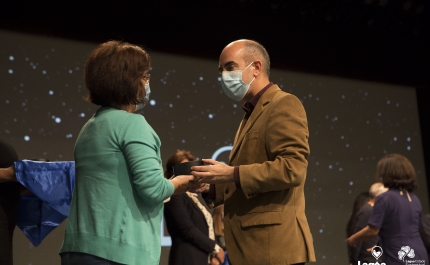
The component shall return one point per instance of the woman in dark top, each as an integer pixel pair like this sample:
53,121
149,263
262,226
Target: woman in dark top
359,213
396,214
189,224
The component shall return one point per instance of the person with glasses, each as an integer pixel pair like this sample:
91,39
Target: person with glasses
117,204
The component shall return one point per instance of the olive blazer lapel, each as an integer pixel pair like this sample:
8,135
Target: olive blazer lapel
245,126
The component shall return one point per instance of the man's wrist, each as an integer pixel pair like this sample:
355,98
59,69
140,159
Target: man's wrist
236,177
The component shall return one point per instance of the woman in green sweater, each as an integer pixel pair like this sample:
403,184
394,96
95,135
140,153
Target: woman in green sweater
117,204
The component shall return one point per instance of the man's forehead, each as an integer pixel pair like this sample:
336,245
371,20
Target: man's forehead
230,56
227,63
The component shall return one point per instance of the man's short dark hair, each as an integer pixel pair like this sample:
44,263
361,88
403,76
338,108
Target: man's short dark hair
253,50
113,73
396,171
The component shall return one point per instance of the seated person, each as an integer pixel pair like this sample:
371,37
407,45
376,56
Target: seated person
190,224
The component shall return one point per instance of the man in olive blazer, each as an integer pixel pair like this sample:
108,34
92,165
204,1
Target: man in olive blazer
262,188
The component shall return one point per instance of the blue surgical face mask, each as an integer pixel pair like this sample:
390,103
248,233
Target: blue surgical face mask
145,100
233,85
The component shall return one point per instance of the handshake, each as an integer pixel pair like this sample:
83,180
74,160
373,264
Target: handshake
190,177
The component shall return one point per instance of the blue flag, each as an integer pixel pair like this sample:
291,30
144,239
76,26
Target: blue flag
51,185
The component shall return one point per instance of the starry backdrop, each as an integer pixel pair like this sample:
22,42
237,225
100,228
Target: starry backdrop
352,124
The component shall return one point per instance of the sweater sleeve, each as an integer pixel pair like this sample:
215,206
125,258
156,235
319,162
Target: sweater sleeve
141,148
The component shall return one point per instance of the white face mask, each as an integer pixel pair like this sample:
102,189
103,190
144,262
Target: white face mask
145,100
233,85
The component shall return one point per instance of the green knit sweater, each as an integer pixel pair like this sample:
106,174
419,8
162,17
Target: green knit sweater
117,202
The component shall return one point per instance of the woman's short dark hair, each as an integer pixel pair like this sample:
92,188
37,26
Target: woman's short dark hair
113,73
177,158
396,171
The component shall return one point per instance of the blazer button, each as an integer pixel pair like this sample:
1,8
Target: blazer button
226,191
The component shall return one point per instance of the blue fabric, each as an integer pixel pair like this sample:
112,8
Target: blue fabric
52,186
225,259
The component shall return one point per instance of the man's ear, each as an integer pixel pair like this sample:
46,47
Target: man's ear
258,68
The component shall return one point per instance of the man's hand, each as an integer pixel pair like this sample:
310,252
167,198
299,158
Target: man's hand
197,187
214,173
200,187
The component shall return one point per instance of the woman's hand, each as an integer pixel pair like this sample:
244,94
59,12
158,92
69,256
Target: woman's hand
218,259
183,183
214,261
364,234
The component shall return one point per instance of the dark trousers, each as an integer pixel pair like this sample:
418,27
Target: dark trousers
78,258
9,200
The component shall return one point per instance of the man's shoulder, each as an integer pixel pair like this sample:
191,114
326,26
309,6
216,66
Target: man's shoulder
275,94
282,101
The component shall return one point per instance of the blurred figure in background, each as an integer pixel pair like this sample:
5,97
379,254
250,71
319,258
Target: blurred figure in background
425,232
361,200
190,224
9,201
396,214
362,209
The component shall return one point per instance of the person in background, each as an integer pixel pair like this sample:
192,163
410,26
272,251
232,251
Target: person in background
360,201
396,214
190,224
117,204
9,201
425,232
362,209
